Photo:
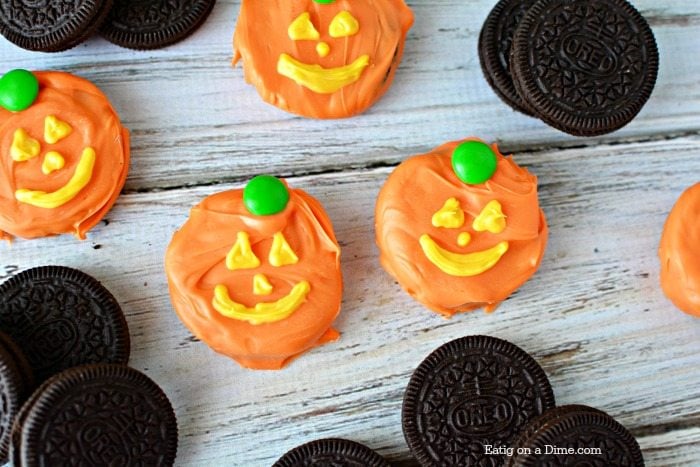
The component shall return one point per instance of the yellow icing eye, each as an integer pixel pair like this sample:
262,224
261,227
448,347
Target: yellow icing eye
343,25
52,161
449,216
491,218
302,29
241,255
55,130
281,254
24,147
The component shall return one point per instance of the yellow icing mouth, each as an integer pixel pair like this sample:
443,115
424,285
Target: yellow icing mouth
462,265
81,177
263,312
319,79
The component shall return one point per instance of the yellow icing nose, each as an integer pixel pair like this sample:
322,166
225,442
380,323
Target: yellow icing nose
323,49
261,285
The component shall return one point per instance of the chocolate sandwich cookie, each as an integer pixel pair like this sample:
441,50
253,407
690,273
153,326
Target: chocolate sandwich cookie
51,26
585,67
97,415
331,452
494,50
13,391
469,397
575,435
60,318
20,361
148,24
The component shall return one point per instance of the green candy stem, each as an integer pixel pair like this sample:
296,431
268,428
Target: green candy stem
324,2
474,162
18,90
265,195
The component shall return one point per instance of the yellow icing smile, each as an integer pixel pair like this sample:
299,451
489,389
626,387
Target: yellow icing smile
81,177
319,79
458,264
262,312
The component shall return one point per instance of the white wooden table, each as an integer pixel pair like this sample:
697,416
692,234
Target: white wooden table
593,315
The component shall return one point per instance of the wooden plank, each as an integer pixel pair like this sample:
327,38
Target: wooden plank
593,315
195,121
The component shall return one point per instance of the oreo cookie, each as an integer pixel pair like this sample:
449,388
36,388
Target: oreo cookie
13,392
585,67
60,318
495,42
149,24
96,415
575,435
51,26
470,397
334,452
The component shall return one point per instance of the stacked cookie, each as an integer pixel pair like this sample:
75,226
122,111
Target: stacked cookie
585,67
479,400
66,330
57,26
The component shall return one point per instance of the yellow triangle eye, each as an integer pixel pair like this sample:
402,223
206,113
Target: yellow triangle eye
491,218
343,25
24,147
281,254
449,216
302,29
241,255
55,130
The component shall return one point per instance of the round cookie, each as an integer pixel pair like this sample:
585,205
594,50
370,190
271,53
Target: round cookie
332,452
255,273
679,252
147,24
51,26
495,41
63,160
61,317
13,391
460,227
581,435
97,415
321,59
585,67
469,393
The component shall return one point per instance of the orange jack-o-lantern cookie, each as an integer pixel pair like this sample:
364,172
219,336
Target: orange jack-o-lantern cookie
64,155
255,273
321,58
679,252
460,227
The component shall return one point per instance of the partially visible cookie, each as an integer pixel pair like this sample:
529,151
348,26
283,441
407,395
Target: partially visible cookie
495,43
575,435
679,252
61,317
331,452
585,67
97,415
147,24
51,26
470,393
12,394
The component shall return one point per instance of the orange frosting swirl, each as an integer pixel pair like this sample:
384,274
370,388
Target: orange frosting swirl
679,252
195,263
93,124
262,36
417,189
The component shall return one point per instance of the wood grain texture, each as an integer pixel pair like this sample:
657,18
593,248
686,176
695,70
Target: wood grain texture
593,315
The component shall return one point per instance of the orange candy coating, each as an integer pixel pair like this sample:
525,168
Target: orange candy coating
195,263
417,189
679,252
94,124
262,36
